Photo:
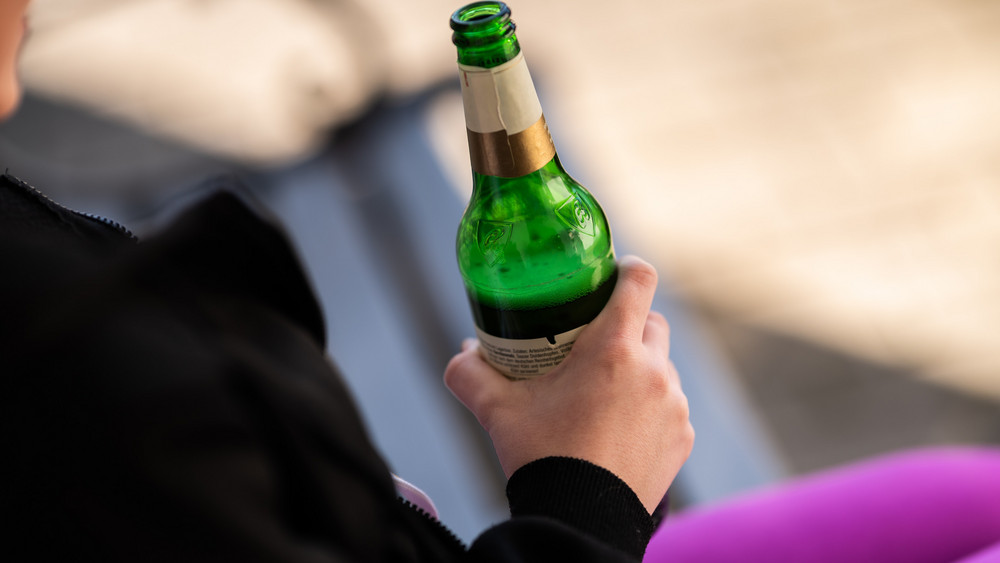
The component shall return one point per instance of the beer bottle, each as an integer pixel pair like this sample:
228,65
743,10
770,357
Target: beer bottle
534,248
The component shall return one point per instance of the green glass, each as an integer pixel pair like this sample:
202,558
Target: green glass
534,250
535,253
484,34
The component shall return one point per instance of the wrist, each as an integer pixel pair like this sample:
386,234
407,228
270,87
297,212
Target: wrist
585,496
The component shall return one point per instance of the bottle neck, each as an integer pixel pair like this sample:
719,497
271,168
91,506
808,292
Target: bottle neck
507,133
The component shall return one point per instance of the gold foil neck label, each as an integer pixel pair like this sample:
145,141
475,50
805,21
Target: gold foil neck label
510,156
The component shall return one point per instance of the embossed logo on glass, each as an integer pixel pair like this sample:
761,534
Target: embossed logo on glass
493,236
576,215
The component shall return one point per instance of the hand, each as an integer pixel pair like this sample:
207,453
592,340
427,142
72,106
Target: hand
615,401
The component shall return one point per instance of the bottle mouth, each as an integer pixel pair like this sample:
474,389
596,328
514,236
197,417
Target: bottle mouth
480,16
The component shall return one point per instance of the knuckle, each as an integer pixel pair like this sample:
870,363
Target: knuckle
687,440
658,381
657,318
683,408
620,356
680,419
457,370
644,274
659,374
452,371
609,347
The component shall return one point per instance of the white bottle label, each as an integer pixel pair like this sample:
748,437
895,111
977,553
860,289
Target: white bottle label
526,358
501,98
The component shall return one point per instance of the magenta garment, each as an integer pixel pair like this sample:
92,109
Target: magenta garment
925,506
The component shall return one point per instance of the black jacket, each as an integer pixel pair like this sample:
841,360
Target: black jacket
171,400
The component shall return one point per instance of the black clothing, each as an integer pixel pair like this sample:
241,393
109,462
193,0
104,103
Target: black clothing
171,400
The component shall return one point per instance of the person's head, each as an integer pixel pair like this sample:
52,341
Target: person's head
13,25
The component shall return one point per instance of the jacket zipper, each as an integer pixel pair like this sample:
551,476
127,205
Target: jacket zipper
109,223
440,529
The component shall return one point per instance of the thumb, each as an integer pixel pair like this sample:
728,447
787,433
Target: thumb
630,302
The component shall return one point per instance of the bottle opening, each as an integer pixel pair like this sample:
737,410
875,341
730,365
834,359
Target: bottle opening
472,13
484,34
478,15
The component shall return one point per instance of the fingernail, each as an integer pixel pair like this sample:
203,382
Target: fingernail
630,259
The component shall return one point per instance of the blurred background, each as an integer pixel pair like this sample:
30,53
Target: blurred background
818,184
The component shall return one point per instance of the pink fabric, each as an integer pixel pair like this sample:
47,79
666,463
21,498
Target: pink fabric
927,506
417,497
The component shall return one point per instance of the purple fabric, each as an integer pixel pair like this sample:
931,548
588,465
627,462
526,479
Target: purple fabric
989,555
933,506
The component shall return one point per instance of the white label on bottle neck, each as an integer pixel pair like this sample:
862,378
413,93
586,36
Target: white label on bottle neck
501,98
526,358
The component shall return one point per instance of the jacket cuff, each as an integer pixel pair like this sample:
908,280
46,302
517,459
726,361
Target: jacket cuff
585,496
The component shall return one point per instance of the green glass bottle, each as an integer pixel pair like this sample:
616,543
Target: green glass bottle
534,247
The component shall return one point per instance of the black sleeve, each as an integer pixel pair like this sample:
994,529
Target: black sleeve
565,509
172,401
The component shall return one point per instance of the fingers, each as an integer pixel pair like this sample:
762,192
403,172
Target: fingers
656,339
656,333
475,383
673,376
628,307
